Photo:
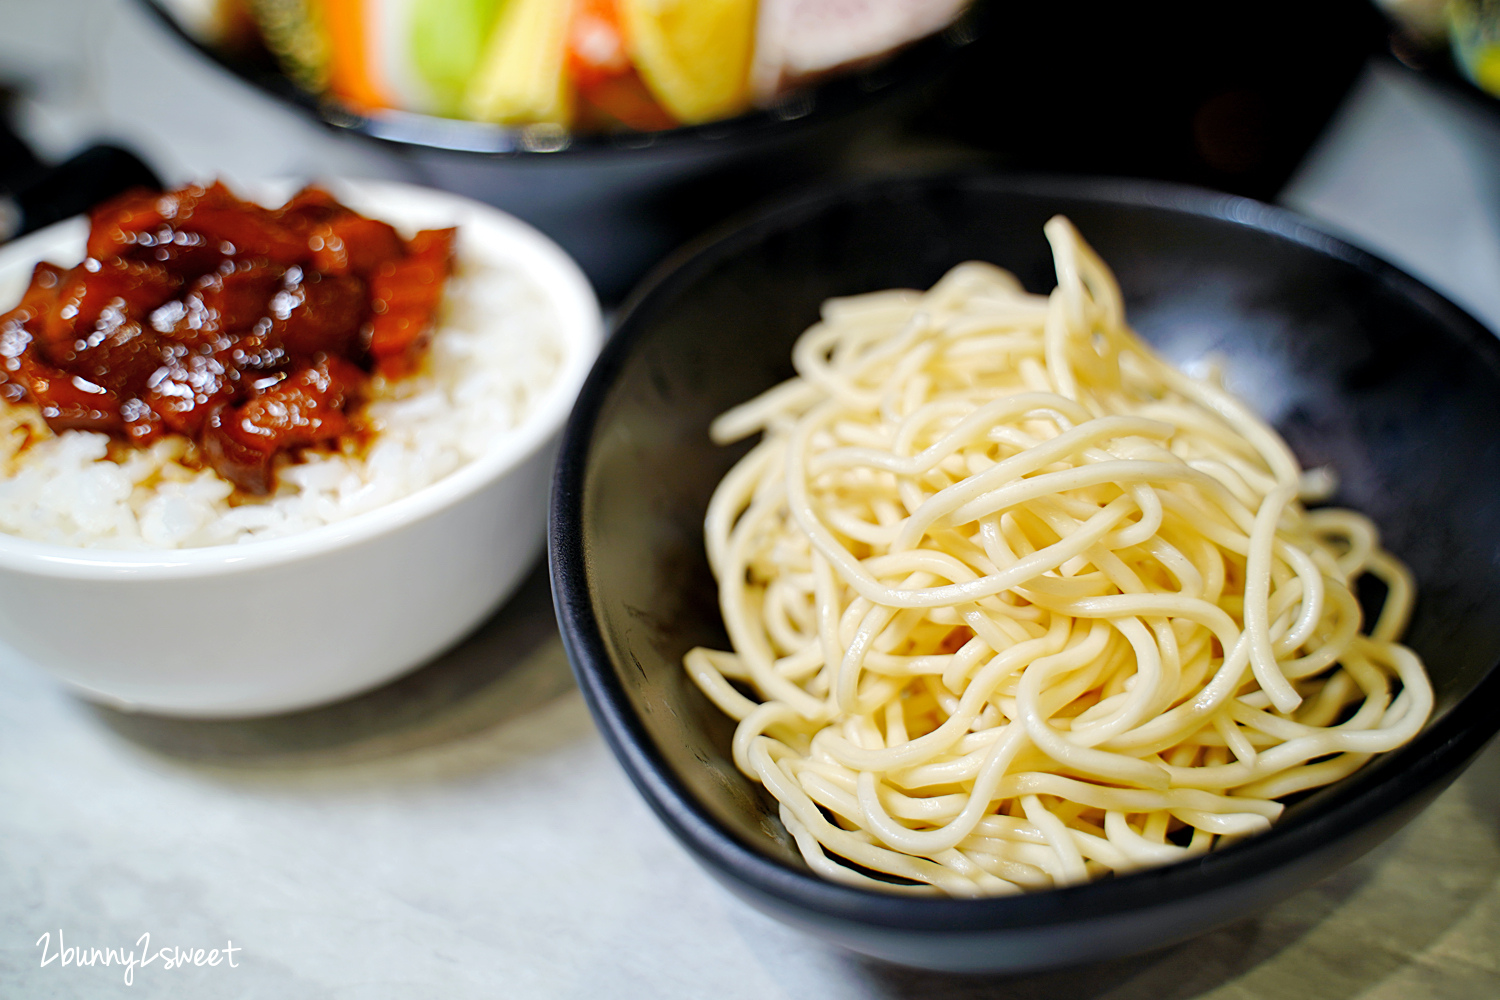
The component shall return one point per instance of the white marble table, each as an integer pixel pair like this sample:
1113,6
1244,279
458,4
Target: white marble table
465,832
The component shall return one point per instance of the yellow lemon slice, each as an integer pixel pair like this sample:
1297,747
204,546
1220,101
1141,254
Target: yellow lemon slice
693,54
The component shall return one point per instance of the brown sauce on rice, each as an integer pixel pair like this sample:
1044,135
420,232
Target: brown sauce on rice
250,333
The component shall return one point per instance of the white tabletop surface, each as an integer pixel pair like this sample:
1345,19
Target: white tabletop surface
466,833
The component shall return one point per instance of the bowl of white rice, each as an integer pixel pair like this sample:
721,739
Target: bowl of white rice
148,584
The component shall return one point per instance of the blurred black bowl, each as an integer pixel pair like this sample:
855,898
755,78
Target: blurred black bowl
619,201
1357,364
838,96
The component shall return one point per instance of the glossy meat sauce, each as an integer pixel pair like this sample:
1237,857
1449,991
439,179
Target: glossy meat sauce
248,330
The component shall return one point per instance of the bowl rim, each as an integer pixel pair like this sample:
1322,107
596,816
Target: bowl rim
580,332
915,64
1430,760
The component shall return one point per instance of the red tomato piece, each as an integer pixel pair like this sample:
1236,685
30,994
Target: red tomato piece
626,99
596,43
599,65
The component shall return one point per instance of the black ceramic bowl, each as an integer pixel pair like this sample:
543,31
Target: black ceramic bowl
839,96
618,202
1357,364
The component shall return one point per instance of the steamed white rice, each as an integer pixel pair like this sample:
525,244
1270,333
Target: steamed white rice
493,354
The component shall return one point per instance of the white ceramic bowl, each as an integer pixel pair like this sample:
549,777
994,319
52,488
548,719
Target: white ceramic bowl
281,624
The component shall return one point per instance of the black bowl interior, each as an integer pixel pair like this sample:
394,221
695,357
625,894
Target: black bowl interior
1358,365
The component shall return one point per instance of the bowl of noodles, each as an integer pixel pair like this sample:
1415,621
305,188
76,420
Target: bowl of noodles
994,574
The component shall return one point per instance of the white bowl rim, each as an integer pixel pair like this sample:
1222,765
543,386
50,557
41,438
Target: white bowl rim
581,328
